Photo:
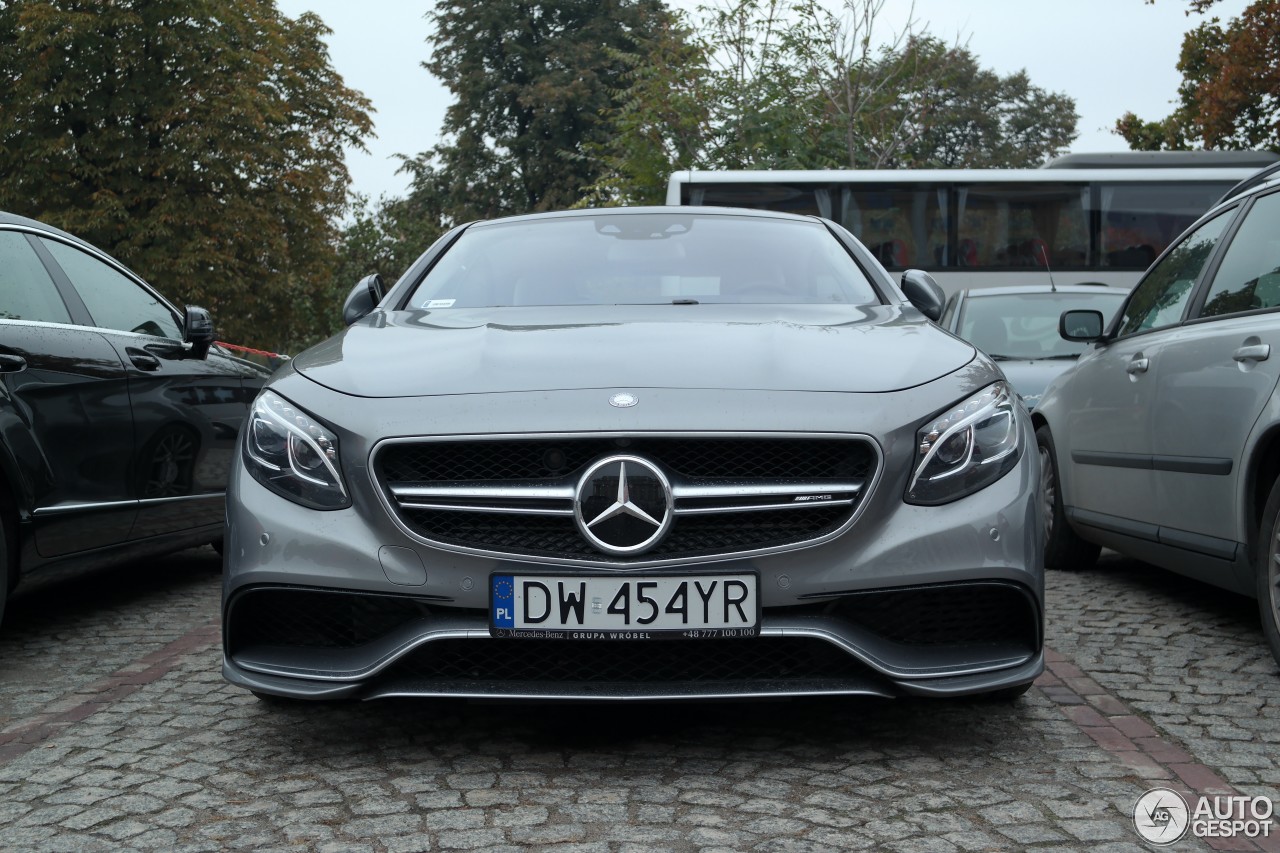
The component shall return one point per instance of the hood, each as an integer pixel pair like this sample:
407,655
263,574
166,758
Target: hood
1030,378
736,347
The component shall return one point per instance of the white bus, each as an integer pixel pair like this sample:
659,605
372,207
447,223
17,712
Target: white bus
1097,218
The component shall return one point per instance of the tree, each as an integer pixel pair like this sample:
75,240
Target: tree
1229,97
199,141
970,116
532,80
795,85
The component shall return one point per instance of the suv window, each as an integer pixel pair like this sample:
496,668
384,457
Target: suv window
26,290
114,300
1249,277
1159,299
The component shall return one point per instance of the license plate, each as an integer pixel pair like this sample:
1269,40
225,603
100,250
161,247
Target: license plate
577,607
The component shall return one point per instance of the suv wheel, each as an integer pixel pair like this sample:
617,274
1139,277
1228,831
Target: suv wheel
1268,571
1063,549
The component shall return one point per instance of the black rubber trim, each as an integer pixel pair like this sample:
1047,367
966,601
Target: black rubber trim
1210,546
1192,464
1179,464
1115,524
1112,460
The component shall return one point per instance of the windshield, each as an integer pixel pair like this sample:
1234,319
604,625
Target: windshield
644,258
1025,325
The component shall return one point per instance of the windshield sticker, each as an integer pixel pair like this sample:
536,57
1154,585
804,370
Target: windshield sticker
441,303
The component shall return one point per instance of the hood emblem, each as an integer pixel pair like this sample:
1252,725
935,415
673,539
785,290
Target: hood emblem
623,505
623,400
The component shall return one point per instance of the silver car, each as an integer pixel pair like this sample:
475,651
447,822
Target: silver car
1164,441
637,454
1018,327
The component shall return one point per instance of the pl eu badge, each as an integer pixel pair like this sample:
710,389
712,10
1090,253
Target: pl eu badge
504,601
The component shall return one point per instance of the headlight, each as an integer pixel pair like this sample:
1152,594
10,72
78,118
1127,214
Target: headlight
966,448
289,453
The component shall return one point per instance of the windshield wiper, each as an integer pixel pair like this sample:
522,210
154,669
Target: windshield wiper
684,302
997,357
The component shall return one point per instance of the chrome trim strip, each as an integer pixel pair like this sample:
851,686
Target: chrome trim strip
383,496
763,490
560,493
109,505
691,695
713,510
497,510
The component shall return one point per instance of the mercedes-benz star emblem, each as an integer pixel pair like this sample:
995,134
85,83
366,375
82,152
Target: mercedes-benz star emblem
623,505
623,400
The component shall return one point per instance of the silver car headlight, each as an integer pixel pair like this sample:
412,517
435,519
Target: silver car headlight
292,455
966,448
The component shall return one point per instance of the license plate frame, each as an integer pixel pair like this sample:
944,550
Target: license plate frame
596,586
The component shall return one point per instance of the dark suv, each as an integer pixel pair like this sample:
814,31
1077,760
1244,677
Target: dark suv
118,414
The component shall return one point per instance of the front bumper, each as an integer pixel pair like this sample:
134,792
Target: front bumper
422,628
929,640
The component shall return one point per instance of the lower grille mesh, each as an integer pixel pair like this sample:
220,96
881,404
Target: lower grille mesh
945,615
645,662
315,619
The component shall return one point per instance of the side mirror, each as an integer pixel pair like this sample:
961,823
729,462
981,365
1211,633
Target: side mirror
924,293
1084,326
363,298
197,330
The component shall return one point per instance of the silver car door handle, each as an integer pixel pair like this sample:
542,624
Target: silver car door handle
1257,352
1138,365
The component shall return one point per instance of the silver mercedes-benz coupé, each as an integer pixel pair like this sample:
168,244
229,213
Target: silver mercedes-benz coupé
647,453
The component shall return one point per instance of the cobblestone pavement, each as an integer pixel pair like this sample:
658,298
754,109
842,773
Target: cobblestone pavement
117,733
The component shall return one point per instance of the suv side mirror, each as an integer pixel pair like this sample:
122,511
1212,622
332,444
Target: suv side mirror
363,298
924,293
197,330
1084,326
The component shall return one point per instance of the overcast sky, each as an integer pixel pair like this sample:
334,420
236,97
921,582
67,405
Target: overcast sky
1110,55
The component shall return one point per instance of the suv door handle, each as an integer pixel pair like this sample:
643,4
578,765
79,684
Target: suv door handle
1256,352
12,363
1138,365
142,359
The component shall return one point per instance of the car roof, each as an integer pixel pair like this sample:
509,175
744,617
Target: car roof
14,219
1024,289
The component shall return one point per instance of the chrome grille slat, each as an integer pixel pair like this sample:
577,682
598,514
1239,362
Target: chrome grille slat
731,494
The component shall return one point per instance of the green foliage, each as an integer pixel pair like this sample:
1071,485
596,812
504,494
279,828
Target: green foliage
532,81
789,84
1229,97
199,141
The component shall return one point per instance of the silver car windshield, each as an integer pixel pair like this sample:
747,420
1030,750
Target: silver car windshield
644,258
1025,325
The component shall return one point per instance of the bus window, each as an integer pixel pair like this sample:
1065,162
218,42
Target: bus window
1139,220
1020,226
903,226
788,198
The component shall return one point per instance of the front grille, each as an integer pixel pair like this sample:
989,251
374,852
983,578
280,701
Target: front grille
731,495
694,458
644,662
557,536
